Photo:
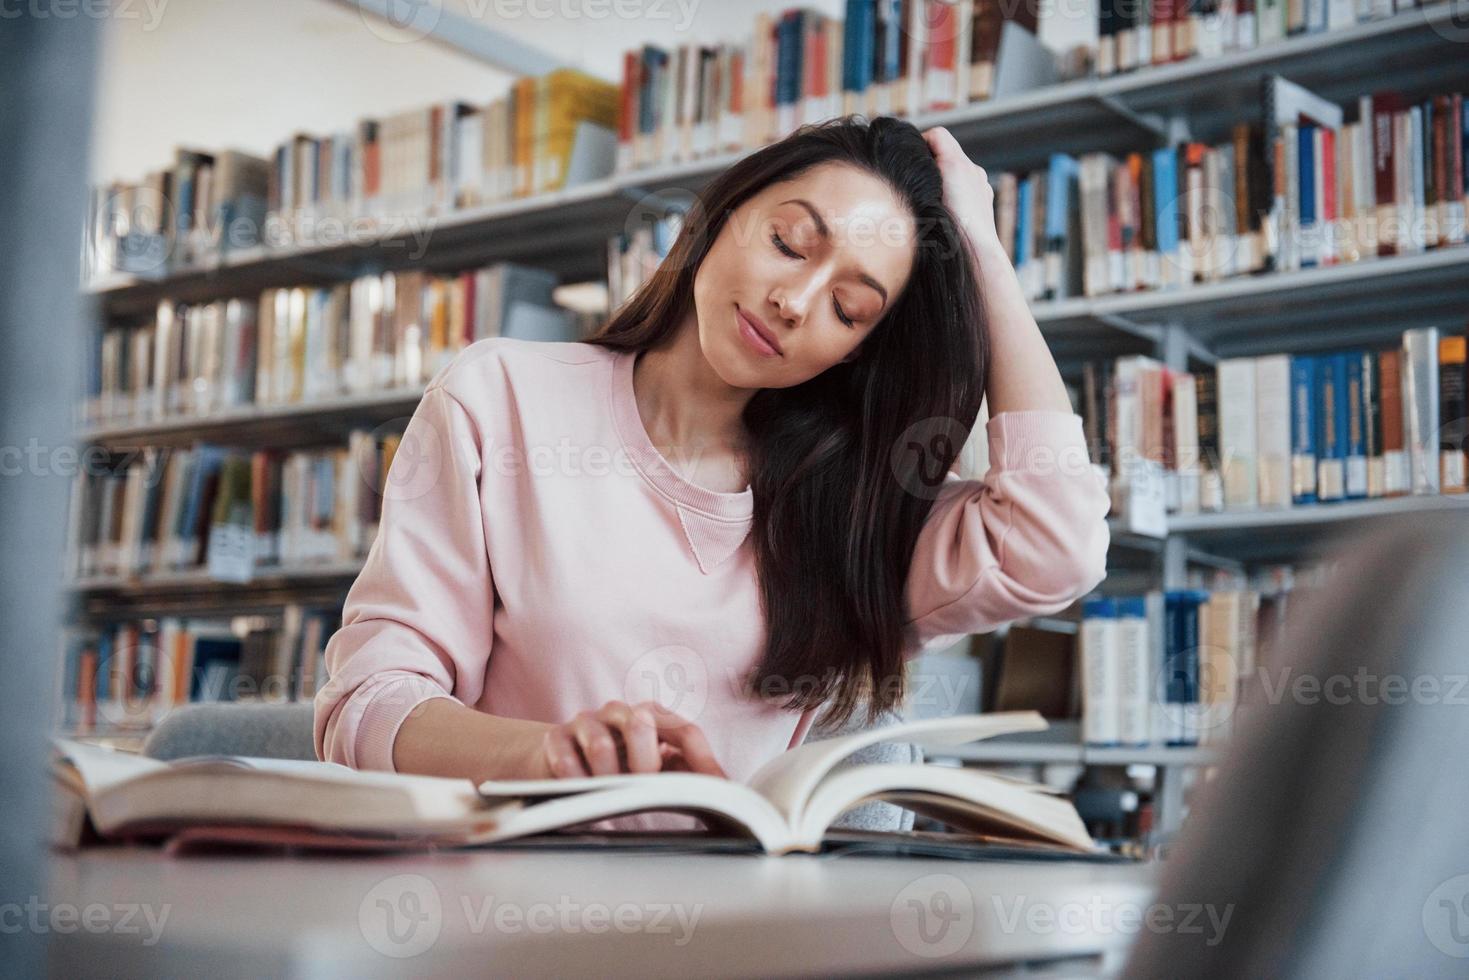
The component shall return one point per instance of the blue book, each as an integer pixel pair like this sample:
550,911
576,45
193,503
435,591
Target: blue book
1331,443
857,43
892,40
788,58
1181,664
1306,167
104,666
1061,192
206,464
1303,429
1356,429
655,61
1165,193
1022,224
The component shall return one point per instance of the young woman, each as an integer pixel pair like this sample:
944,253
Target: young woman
668,546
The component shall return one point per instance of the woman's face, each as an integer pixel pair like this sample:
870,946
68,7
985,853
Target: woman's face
813,263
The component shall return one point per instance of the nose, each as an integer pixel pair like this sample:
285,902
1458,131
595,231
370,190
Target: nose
794,299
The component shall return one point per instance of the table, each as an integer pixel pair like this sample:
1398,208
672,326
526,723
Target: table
131,911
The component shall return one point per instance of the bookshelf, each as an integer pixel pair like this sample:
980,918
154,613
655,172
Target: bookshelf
566,232
1082,115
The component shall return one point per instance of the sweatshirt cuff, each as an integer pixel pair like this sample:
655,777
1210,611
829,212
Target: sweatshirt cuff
389,703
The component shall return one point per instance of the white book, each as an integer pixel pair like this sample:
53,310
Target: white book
1186,442
1238,459
1136,673
1273,430
786,806
1101,669
1421,408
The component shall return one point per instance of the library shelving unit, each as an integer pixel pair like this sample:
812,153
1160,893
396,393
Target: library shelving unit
567,231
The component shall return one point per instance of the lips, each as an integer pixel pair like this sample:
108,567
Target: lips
754,324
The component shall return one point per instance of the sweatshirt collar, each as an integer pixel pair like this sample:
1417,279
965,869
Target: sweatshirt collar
714,523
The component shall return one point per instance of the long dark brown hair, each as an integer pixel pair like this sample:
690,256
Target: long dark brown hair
843,467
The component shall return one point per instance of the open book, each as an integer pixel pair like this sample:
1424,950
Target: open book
787,806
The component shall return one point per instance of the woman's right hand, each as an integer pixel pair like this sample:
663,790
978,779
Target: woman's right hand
624,738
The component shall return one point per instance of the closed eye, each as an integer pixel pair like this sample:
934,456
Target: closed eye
786,250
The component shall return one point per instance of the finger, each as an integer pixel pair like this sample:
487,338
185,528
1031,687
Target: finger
596,744
639,734
563,758
690,741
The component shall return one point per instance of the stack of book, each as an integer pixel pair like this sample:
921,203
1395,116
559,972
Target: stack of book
1173,667
366,179
377,333
1136,35
125,676
1285,430
1297,188
234,513
205,204
884,57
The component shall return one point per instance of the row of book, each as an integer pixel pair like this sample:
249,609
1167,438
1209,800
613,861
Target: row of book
434,159
1117,684
125,676
371,178
1172,667
801,65
1282,430
204,205
906,57
1133,35
377,333
1299,188
233,513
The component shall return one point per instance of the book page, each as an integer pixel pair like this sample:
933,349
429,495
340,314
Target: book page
968,798
103,768
788,780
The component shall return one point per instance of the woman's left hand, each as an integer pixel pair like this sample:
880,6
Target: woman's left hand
967,191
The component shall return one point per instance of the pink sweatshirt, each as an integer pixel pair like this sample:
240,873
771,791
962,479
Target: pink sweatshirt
537,556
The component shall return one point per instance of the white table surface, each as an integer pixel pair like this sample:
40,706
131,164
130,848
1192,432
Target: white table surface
578,913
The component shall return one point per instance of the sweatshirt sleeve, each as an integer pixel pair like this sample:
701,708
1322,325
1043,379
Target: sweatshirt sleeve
1026,540
418,620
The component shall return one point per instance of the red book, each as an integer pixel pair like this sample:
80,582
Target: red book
737,82
467,284
942,28
1384,105
631,62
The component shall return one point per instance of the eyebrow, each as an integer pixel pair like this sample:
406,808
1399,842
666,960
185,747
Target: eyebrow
826,233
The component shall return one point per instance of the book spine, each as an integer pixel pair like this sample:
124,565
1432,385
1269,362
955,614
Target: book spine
1395,477
1273,429
1237,446
1136,670
1453,413
1356,429
1181,665
1331,385
1421,408
1372,422
1101,673
1303,430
